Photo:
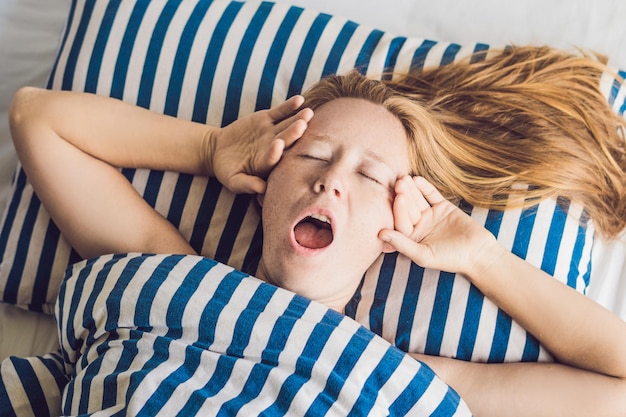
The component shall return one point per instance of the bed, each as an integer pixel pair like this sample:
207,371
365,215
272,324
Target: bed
158,55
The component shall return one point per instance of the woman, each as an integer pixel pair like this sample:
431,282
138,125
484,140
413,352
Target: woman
353,173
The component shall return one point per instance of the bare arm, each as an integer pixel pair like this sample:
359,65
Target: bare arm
71,145
588,341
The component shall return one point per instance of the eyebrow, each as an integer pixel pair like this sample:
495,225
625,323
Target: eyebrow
370,154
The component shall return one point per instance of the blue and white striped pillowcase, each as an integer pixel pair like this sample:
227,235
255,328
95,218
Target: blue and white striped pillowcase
104,51
198,334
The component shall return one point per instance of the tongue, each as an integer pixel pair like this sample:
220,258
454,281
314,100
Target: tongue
312,237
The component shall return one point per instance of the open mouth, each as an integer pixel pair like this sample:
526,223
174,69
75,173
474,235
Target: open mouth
314,232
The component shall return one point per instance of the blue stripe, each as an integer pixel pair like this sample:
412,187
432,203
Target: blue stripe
340,373
383,372
439,315
213,309
42,280
126,48
32,388
367,50
66,327
531,349
11,213
555,234
241,339
413,392
450,54
253,254
168,385
97,52
149,291
383,286
500,340
395,46
88,321
214,50
306,54
63,44
179,198
577,252
129,353
524,231
153,185
79,38
339,47
494,221
471,319
23,242
449,405
420,55
206,211
232,226
615,87
114,300
622,108
247,319
409,307
179,66
92,372
151,62
477,56
183,294
242,61
274,57
54,365
161,345
193,353
304,365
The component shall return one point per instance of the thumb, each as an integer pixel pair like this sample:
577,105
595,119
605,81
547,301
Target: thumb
248,184
405,245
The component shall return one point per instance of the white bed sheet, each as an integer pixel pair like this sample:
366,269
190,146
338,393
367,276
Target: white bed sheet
30,31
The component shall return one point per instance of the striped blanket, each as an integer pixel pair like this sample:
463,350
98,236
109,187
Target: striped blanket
185,335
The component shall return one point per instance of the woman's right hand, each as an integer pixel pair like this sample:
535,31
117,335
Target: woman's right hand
243,153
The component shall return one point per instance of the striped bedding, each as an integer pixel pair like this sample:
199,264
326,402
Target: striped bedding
184,335
213,61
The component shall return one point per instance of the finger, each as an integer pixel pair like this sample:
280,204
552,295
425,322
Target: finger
271,157
246,184
412,199
420,200
293,132
286,108
401,217
305,115
430,193
416,252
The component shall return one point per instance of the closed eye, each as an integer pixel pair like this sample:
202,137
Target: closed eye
370,177
313,157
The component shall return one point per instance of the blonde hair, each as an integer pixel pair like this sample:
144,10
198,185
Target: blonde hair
479,128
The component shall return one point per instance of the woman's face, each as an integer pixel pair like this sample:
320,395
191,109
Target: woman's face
329,197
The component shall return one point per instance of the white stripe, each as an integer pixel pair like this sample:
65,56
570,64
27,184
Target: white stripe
168,55
196,60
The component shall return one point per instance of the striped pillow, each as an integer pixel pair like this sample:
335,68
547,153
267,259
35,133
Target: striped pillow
205,339
213,61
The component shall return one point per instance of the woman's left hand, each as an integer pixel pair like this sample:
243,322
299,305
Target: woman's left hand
243,153
433,232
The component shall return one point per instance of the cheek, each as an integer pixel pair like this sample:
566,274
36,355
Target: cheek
378,214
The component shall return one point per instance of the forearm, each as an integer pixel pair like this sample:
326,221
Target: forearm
113,131
575,329
531,389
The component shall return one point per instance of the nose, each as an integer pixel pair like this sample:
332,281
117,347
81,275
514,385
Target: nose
330,181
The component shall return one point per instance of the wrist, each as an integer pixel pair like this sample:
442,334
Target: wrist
485,258
207,150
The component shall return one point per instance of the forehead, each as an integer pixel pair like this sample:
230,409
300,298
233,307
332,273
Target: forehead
361,125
